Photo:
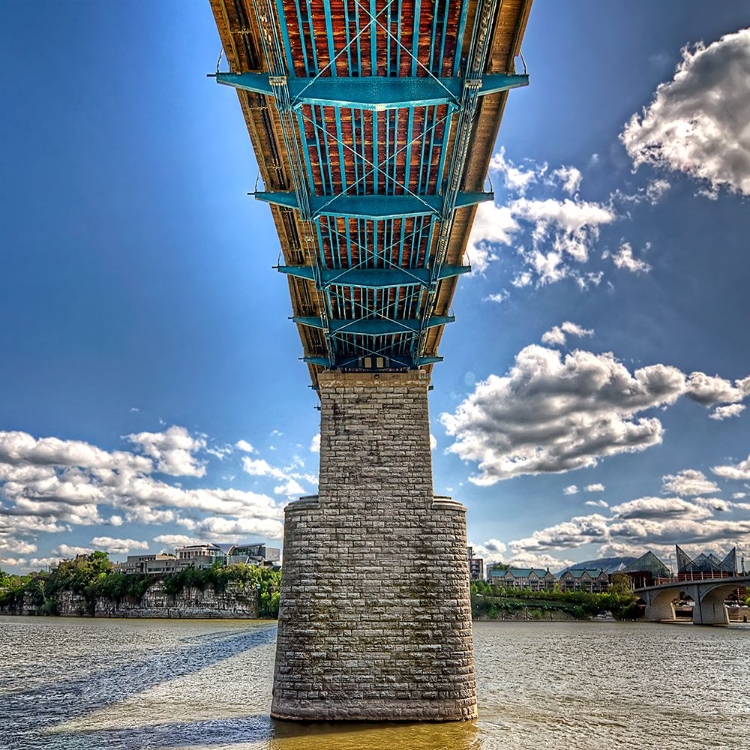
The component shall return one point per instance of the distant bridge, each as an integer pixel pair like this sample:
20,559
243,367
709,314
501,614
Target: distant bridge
708,594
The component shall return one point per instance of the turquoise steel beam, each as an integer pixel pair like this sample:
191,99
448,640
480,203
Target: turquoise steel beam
376,93
373,206
372,326
372,278
390,360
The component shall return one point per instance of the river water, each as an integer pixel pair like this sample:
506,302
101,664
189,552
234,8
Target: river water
70,684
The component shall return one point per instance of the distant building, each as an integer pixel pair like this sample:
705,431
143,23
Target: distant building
153,564
705,566
536,579
584,579
254,554
202,556
647,570
476,566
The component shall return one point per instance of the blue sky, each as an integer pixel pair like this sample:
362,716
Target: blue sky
600,343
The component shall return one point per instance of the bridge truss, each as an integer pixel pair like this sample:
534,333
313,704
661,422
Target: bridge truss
373,122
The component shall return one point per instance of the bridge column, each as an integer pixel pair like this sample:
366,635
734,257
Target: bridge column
709,604
375,617
659,604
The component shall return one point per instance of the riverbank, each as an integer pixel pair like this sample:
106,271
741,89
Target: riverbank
89,586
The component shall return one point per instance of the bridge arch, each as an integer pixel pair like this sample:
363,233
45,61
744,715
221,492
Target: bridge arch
709,606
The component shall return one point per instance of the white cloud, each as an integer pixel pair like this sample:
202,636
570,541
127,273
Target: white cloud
433,442
491,550
315,444
711,389
624,259
516,178
17,546
172,450
597,503
117,546
244,446
66,551
218,529
561,229
660,508
726,412
492,225
598,487
690,483
261,468
499,298
569,178
556,336
697,122
738,471
554,414
173,541
52,484
290,487
636,525
571,490
656,190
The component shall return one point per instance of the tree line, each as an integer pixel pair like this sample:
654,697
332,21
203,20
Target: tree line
94,577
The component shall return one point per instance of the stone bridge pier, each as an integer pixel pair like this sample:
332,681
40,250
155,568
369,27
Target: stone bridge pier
375,616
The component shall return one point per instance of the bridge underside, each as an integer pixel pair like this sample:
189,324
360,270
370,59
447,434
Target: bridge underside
373,124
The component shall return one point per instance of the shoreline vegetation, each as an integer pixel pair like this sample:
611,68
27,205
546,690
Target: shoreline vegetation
89,584
490,602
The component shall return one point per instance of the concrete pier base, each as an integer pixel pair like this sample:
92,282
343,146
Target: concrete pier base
375,617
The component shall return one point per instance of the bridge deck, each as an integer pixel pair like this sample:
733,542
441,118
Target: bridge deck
373,124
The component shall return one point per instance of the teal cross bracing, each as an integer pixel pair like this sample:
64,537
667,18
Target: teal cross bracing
377,125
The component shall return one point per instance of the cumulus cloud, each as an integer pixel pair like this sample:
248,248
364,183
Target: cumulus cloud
697,122
556,336
598,487
219,529
569,178
551,414
491,550
517,179
597,503
625,260
50,485
176,540
16,546
689,483
117,546
172,450
315,444
570,490
66,551
738,471
560,229
244,446
712,389
726,412
259,467
499,298
554,414
659,507
636,525
493,225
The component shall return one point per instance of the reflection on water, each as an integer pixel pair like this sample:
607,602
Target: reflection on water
131,684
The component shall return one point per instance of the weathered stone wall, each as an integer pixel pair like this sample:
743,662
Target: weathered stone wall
236,601
375,618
